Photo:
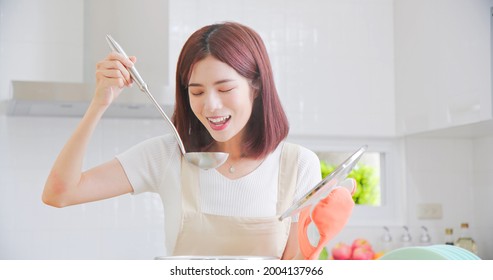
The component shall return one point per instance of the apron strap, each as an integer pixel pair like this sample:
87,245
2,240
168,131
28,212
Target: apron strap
288,175
189,186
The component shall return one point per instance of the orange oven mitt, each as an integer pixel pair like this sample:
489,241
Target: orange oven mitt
329,215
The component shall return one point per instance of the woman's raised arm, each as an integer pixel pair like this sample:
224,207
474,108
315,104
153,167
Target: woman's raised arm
66,183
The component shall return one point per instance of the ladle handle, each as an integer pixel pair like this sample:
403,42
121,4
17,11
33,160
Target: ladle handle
114,46
143,87
178,139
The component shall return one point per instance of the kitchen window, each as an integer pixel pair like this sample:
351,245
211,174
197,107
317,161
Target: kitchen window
366,173
384,199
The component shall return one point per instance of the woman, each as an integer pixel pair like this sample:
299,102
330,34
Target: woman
226,101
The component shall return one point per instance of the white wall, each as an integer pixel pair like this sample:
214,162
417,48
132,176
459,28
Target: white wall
483,193
456,173
331,59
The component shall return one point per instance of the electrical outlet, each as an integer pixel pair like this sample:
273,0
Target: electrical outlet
429,211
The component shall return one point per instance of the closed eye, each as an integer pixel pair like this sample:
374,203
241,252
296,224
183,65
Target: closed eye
196,93
227,90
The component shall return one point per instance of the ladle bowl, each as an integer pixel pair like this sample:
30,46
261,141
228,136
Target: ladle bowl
204,160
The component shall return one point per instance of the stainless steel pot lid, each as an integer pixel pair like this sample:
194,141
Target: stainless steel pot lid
323,188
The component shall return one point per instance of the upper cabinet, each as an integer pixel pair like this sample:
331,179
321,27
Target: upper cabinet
40,41
442,64
61,41
141,28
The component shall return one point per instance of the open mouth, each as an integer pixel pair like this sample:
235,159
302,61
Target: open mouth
218,123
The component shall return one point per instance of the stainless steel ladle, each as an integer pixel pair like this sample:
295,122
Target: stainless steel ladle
204,160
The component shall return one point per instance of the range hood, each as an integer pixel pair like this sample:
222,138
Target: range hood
60,99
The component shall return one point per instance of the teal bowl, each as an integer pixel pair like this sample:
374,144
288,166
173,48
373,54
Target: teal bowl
433,252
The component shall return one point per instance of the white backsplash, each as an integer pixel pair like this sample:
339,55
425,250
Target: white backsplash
126,227
331,59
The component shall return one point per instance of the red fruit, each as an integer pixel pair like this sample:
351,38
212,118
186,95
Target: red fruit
361,243
362,253
341,251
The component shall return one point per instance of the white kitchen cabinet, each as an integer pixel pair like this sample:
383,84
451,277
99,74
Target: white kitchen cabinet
40,41
442,64
141,27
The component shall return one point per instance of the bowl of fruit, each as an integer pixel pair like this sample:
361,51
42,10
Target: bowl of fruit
359,249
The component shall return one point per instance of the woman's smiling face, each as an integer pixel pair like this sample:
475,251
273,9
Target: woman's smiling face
221,98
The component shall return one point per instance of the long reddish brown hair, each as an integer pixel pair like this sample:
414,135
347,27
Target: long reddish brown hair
242,49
